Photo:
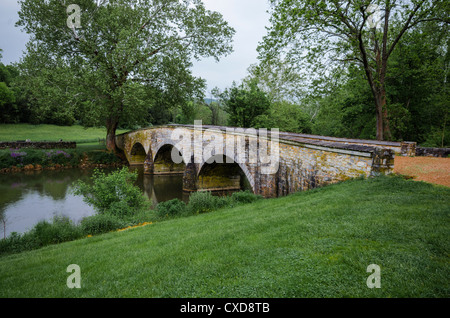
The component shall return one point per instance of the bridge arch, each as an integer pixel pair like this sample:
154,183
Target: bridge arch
218,173
137,154
163,163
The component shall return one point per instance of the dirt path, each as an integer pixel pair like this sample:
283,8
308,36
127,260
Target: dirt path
429,169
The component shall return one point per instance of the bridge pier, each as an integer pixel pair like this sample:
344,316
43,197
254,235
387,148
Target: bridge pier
190,177
148,165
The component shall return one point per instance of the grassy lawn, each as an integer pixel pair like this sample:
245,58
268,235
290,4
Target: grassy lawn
311,244
13,132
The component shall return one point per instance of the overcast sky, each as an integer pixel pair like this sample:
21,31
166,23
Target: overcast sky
247,17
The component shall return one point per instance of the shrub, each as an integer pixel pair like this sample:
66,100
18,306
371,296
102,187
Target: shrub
34,157
6,160
170,208
113,193
102,157
16,243
204,201
101,223
62,229
244,197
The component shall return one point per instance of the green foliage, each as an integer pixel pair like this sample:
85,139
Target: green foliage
62,229
113,193
286,117
243,197
16,243
8,109
106,72
245,104
6,160
102,157
101,223
324,37
416,77
205,201
170,208
346,107
417,86
48,91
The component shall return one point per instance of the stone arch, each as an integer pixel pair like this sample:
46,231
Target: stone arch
224,169
162,160
137,154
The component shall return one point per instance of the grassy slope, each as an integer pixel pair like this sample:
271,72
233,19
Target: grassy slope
312,244
12,132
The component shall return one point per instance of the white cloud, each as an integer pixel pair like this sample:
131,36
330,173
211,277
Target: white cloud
12,40
248,18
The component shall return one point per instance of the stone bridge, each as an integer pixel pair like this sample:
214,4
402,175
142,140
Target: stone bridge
270,163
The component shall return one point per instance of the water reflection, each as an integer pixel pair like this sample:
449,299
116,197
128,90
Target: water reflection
28,197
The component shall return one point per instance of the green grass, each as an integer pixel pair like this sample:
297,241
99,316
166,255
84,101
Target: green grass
13,132
312,244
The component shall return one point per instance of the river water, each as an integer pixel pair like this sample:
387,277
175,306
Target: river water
28,197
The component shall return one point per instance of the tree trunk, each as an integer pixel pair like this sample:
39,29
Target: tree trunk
111,127
386,128
379,115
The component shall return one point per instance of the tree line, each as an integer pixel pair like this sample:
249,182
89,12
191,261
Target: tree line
358,69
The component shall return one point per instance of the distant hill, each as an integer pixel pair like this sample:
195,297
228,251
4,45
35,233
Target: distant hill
210,100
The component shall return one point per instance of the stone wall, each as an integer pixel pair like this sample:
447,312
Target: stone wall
432,152
37,144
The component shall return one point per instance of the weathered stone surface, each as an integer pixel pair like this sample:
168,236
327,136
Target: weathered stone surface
432,152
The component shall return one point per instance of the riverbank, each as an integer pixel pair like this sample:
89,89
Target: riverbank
28,160
317,243
90,151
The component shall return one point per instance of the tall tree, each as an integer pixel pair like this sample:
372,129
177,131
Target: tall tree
323,32
114,46
244,103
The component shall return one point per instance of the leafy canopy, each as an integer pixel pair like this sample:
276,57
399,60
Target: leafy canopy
125,51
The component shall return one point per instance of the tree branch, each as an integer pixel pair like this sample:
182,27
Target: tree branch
405,27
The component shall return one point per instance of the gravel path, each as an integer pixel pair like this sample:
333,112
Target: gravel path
428,169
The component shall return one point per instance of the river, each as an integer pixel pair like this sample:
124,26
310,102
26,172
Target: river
28,197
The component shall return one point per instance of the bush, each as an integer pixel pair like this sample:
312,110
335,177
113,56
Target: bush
101,223
102,157
16,243
33,157
113,193
204,201
60,230
170,208
6,160
244,197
